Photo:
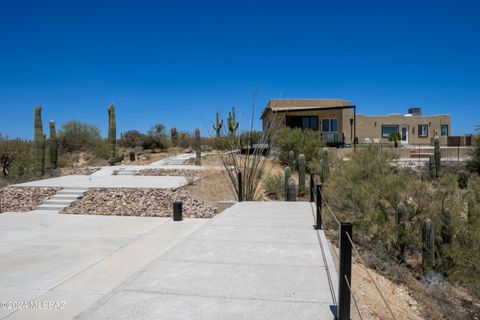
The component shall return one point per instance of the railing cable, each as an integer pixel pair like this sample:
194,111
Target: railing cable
353,297
371,278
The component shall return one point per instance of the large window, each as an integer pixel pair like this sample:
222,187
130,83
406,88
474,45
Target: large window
423,130
388,129
307,122
329,125
444,130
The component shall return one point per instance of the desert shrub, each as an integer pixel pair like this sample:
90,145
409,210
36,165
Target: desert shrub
156,138
16,157
184,140
274,186
131,139
78,136
300,141
473,163
102,150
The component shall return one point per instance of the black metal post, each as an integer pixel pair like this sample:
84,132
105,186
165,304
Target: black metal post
319,204
458,153
345,272
355,127
240,187
177,210
312,185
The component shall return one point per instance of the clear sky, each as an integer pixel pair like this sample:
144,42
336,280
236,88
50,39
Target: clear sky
177,62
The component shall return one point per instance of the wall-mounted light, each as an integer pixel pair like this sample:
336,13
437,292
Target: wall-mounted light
375,124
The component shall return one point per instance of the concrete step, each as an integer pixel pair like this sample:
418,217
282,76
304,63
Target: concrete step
65,197
50,207
75,188
71,192
65,203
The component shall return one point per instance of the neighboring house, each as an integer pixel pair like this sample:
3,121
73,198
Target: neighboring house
338,124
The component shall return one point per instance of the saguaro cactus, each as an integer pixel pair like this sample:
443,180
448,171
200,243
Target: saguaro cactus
39,144
288,174
198,148
401,216
431,167
112,130
325,166
218,126
437,157
428,246
291,160
447,228
232,123
174,136
301,174
291,190
53,146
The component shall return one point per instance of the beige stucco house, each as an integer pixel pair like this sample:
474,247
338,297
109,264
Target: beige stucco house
338,123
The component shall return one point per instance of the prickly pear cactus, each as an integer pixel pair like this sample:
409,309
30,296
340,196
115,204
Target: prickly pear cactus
218,126
291,190
428,246
447,228
325,166
437,157
288,174
39,144
112,131
301,174
53,146
198,148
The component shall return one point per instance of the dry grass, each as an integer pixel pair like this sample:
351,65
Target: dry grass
214,186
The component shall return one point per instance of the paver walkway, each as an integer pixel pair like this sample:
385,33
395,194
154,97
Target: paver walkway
256,260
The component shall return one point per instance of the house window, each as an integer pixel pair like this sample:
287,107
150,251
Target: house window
444,130
310,123
329,125
388,129
307,122
423,130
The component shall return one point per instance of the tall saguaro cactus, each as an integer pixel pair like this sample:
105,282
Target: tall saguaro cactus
401,216
291,160
428,246
53,146
198,148
232,123
447,228
288,174
437,157
39,144
325,166
112,130
218,126
301,174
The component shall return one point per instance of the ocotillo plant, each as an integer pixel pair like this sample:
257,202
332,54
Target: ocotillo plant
301,174
447,228
325,166
112,131
428,246
198,148
218,126
232,123
291,190
437,157
53,146
401,216
39,144
288,174
431,167
291,160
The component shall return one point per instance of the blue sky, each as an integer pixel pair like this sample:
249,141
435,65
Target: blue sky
177,62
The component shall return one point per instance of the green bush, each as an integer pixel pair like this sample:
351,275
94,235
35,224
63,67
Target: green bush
131,139
16,157
78,136
300,141
474,163
274,186
156,138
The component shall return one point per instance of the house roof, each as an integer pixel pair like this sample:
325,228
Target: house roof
283,105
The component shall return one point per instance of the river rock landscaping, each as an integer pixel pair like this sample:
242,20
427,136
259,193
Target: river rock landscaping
169,172
140,202
15,199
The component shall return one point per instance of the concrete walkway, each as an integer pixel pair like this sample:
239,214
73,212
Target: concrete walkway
256,260
73,260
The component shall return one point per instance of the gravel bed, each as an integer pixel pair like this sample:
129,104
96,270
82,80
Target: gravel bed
23,198
140,202
82,171
169,172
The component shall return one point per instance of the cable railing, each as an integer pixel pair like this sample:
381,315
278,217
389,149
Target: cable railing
346,244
